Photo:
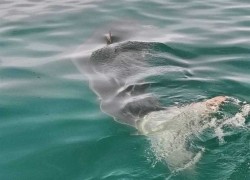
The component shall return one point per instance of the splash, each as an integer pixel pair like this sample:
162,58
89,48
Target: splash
171,132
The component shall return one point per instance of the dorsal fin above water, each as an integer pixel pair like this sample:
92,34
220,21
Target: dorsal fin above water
109,38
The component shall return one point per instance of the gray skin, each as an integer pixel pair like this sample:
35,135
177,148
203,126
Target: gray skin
113,75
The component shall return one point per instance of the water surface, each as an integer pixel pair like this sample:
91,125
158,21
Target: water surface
51,124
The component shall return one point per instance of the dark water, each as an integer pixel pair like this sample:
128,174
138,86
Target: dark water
51,124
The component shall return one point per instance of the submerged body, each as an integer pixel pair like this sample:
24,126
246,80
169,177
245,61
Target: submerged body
118,74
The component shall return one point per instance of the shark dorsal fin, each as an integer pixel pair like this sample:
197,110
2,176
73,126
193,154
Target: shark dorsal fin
109,38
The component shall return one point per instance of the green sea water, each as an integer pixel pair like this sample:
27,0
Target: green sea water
51,123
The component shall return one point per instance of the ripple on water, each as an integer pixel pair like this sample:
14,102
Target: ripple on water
51,125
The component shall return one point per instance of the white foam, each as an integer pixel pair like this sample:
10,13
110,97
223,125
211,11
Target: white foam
220,135
245,109
170,131
238,120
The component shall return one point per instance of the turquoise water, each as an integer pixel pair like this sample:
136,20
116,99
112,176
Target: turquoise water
51,124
